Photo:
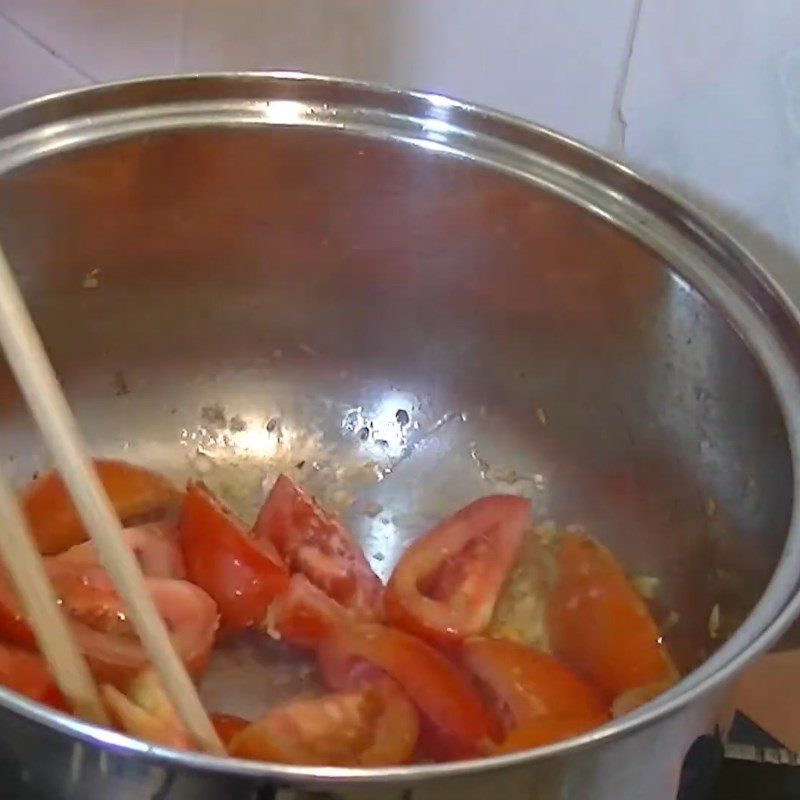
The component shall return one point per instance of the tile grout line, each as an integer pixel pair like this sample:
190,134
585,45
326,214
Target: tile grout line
618,127
42,45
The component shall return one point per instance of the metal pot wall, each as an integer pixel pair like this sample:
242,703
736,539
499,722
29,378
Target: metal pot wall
417,301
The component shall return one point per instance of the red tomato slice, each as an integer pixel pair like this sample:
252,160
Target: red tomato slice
27,673
547,729
446,584
319,547
526,685
134,492
456,721
599,625
243,578
227,726
155,547
101,627
369,727
106,637
304,615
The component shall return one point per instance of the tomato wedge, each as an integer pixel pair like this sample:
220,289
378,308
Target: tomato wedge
368,727
318,546
446,584
134,492
304,615
547,729
455,720
242,577
101,627
144,711
106,637
525,685
599,625
155,547
27,673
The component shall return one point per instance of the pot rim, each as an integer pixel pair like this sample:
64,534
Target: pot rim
730,286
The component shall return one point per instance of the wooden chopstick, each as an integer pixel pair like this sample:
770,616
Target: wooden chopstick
36,594
37,380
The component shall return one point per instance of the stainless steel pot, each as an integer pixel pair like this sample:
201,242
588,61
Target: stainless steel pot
408,301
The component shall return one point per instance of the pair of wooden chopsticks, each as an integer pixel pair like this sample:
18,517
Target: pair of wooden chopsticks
37,380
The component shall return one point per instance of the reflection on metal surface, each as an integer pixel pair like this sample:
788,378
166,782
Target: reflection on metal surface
283,112
257,441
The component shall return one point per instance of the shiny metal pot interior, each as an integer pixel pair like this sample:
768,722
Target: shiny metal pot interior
407,302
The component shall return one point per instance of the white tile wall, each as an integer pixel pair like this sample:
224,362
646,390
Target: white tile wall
28,69
704,95
712,105
104,39
532,58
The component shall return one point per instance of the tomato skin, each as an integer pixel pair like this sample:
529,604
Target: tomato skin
454,718
304,615
367,727
54,522
599,625
317,545
446,584
547,729
28,674
242,577
526,685
227,726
